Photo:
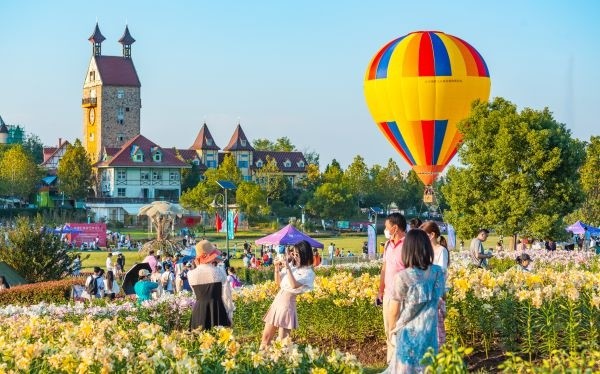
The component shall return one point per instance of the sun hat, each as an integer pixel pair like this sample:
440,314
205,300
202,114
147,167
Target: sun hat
206,252
143,273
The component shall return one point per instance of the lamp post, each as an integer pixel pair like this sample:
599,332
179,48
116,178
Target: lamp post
302,207
226,185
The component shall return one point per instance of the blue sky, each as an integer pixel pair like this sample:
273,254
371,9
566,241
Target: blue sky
285,68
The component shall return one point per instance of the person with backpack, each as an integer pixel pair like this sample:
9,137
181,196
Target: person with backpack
233,279
94,284
168,279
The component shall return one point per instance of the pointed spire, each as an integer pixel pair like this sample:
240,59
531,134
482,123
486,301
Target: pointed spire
127,40
96,39
204,140
239,141
3,127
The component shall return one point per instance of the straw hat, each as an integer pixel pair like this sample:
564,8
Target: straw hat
206,252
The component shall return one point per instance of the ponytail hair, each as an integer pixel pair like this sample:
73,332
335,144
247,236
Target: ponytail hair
443,242
432,227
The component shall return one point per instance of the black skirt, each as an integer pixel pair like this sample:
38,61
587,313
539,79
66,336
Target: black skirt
209,310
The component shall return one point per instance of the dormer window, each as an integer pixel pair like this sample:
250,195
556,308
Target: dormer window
196,162
138,157
243,142
209,141
157,157
287,163
300,164
259,164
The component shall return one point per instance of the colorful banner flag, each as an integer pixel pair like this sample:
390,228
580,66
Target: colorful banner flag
231,225
218,222
236,219
371,243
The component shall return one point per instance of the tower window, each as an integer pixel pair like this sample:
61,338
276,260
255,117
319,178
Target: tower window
243,142
91,136
120,93
120,115
120,138
127,109
92,76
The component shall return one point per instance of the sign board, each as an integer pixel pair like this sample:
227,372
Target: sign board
87,233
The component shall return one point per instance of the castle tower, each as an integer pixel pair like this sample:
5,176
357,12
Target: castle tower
3,132
111,100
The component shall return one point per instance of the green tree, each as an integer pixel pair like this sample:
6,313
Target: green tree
311,157
356,177
190,177
332,200
227,170
75,171
34,146
18,173
389,184
262,144
520,173
251,199
333,172
197,198
284,144
34,251
590,210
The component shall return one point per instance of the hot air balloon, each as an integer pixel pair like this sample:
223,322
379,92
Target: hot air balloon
418,87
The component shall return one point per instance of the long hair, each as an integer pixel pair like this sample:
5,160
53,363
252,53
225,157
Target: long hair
110,278
432,227
417,251
305,252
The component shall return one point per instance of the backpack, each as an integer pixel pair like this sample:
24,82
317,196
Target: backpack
235,282
92,287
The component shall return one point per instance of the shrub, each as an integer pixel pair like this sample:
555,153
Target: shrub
49,292
34,251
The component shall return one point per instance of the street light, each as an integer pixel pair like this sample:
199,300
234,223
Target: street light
226,185
302,207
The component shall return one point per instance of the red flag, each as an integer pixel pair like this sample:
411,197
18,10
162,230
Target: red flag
218,222
235,222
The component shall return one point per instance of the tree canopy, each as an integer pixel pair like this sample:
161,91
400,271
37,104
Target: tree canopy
590,210
520,172
75,171
18,173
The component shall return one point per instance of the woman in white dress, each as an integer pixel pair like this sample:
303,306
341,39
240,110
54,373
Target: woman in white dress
441,258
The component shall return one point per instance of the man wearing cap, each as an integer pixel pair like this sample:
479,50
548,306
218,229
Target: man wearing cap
214,305
144,287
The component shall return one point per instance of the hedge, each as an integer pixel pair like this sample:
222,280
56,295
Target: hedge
49,292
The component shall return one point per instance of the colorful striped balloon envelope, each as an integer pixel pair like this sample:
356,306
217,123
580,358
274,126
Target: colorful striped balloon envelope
418,87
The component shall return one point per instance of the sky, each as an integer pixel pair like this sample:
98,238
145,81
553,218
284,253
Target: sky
285,68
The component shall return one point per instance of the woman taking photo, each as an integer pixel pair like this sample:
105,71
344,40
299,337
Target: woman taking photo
414,304
294,275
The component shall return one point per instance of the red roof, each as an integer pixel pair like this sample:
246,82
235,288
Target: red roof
139,143
204,140
51,151
111,151
188,155
239,141
295,158
117,71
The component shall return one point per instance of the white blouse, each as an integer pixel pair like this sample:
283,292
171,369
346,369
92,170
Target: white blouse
304,275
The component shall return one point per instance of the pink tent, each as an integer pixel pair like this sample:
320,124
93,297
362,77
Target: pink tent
288,235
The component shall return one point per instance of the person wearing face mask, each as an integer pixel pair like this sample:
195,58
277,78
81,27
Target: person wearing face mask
395,230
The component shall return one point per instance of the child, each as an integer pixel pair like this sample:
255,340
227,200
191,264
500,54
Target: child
523,262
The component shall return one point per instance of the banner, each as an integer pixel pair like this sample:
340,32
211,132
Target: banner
371,243
230,225
86,233
451,237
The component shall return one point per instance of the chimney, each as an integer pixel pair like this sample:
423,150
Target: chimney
59,142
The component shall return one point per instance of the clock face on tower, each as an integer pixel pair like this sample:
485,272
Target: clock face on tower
92,116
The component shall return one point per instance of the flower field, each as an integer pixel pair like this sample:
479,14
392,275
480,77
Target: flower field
535,321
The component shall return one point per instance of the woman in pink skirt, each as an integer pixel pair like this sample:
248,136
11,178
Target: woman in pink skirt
294,275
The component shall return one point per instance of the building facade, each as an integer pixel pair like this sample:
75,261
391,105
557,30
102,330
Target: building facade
111,99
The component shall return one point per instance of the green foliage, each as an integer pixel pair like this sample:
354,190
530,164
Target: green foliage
196,198
57,292
356,177
18,173
75,171
251,199
449,360
590,211
35,253
333,172
283,144
332,200
190,177
520,172
34,146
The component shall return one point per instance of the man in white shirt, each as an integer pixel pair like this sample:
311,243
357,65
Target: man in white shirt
330,250
109,264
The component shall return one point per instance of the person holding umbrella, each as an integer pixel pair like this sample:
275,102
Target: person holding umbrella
144,287
214,304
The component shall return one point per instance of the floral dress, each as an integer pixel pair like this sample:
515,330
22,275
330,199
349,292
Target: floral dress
418,292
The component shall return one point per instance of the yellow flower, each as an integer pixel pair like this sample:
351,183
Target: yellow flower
224,335
228,364
257,359
318,371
